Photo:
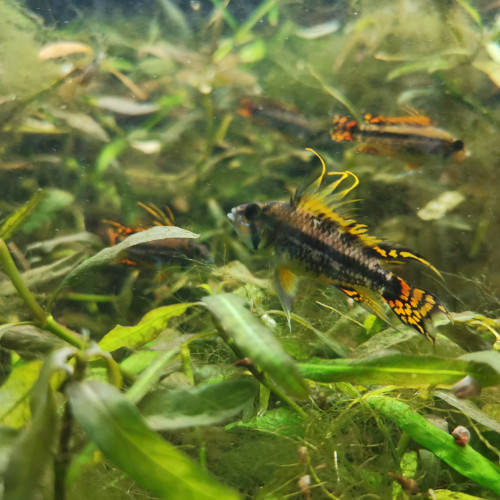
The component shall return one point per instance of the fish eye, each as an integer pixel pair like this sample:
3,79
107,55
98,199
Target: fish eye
251,211
458,145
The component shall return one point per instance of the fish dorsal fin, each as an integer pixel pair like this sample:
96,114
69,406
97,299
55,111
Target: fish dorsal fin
413,120
327,203
161,217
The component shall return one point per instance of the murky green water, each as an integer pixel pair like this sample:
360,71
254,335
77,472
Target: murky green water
201,106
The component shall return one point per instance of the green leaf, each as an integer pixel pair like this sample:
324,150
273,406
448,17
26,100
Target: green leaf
468,408
47,207
472,11
28,341
15,394
281,421
464,459
108,255
484,366
33,449
251,338
209,404
16,219
398,369
150,326
116,426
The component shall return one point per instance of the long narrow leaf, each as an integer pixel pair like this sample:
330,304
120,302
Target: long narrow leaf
464,459
16,219
209,404
254,340
398,369
108,255
116,426
146,330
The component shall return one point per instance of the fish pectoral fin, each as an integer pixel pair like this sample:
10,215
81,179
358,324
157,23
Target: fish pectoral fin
286,286
368,299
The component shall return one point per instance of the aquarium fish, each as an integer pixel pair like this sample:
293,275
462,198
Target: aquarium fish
160,251
398,136
314,237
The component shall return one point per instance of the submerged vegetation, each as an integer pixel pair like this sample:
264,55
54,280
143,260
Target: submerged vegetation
143,359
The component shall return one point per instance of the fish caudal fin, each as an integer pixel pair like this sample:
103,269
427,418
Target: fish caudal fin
413,306
343,129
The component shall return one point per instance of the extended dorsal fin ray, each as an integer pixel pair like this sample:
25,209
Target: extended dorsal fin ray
327,203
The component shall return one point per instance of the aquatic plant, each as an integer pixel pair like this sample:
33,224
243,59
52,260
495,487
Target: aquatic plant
179,377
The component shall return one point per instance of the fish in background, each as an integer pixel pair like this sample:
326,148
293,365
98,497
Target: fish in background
411,137
160,251
313,236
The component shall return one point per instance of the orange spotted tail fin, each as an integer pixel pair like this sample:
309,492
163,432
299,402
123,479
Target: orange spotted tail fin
413,306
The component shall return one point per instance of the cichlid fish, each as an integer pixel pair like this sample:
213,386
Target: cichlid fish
398,136
314,237
156,252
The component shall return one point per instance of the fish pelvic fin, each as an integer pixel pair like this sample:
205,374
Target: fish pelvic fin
397,255
286,286
413,306
327,202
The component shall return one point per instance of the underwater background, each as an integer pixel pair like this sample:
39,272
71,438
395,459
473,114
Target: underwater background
123,119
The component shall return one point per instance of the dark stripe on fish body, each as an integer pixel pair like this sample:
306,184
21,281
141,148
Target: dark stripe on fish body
343,260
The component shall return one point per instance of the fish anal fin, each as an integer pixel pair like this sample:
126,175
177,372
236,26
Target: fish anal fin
367,298
286,286
373,149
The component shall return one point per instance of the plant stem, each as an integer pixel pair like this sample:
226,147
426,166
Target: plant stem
42,318
63,457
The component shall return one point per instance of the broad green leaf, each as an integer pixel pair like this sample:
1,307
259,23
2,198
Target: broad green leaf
16,219
33,449
398,369
150,326
108,255
251,338
15,394
205,405
120,432
28,341
283,421
139,361
485,366
52,202
464,459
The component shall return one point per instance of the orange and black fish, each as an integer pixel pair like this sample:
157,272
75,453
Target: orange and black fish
160,251
398,136
314,237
